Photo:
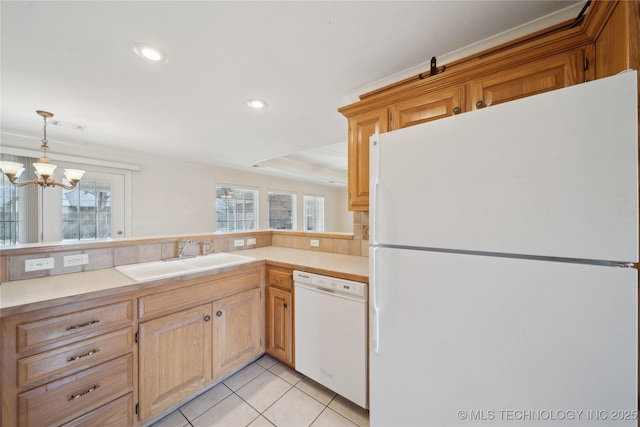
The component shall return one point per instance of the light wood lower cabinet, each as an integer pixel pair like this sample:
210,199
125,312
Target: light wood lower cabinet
174,358
279,326
192,337
127,360
114,414
237,330
80,393
279,314
64,364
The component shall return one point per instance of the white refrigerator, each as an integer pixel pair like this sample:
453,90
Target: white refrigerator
502,290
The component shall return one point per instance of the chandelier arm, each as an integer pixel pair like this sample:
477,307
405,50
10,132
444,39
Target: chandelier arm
13,180
66,187
42,182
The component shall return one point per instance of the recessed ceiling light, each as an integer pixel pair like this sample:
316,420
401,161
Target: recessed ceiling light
256,104
149,52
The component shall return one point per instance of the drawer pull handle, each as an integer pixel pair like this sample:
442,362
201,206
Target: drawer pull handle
80,356
219,313
82,325
75,396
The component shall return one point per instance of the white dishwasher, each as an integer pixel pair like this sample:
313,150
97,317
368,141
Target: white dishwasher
331,333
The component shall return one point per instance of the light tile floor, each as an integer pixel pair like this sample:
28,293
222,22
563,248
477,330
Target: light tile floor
267,393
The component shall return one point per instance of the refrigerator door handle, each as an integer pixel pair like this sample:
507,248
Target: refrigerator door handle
375,321
374,167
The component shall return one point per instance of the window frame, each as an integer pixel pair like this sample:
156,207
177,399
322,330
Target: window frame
316,197
292,215
237,188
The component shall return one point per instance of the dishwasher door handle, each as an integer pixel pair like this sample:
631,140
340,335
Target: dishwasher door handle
328,292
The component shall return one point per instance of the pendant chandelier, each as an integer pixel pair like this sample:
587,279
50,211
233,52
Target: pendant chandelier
44,170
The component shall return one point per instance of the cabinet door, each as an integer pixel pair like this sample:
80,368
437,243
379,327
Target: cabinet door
237,331
175,358
536,77
280,325
361,127
431,106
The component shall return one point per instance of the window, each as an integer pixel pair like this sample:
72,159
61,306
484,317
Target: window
282,211
236,209
86,211
9,213
313,213
95,209
19,206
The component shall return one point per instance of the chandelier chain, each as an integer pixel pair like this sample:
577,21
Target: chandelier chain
44,145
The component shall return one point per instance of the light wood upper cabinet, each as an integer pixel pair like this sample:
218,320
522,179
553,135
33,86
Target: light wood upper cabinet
361,127
237,331
434,105
536,77
175,355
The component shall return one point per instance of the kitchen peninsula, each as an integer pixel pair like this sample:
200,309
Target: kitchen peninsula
87,343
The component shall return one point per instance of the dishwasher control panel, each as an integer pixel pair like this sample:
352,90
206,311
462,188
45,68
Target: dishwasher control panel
331,284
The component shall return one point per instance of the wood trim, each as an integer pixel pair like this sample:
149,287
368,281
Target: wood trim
34,248
597,16
543,43
313,235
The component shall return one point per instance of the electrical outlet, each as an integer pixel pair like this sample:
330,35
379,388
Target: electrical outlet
251,241
238,243
39,264
315,243
73,260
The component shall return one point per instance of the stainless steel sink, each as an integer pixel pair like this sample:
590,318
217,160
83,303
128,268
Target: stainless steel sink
161,269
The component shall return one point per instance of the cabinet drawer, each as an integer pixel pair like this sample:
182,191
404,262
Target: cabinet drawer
118,413
280,277
179,299
74,357
47,331
77,394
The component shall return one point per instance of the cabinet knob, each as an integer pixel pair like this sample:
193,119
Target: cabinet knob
456,110
207,318
480,104
285,305
219,313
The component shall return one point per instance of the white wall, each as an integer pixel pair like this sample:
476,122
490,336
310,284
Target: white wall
185,202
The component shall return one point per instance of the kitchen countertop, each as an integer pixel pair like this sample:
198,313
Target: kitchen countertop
33,291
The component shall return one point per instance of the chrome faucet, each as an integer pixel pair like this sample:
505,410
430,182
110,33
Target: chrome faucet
205,247
182,244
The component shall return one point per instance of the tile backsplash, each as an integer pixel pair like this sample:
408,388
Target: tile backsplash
111,254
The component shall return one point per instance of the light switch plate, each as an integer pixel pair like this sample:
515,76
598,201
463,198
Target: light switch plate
238,243
39,264
251,241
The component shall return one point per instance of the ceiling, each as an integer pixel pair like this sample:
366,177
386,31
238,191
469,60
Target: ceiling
305,58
